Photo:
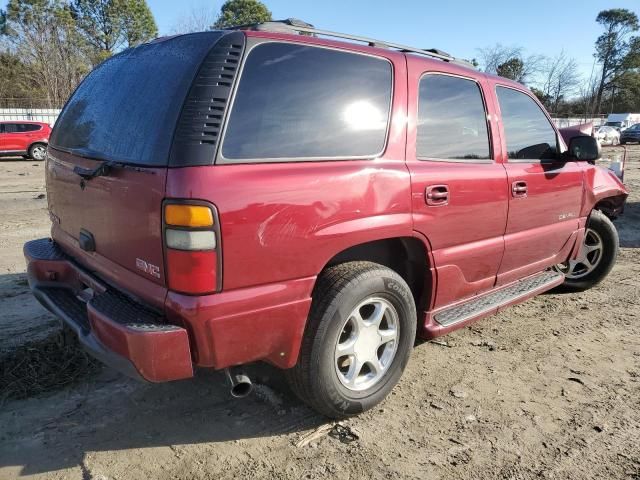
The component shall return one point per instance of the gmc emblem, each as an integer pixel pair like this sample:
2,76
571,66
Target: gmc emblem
148,268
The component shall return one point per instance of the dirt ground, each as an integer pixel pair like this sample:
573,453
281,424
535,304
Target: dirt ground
547,389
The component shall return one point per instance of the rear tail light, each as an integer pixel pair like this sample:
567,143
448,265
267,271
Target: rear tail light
191,238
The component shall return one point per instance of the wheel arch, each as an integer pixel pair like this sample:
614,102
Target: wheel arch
407,256
37,142
603,191
611,206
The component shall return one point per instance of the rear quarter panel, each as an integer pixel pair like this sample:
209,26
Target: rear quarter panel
281,221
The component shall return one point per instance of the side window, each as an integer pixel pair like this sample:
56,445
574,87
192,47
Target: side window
452,121
1,127
30,127
529,134
300,102
10,128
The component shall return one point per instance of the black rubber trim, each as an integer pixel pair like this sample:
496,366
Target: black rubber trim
124,311
199,126
44,249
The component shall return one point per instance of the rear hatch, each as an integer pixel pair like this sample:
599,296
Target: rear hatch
109,154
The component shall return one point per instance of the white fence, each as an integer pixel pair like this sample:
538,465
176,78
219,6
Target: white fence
569,122
46,115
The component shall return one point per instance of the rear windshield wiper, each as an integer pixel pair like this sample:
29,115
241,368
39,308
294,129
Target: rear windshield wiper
104,168
100,171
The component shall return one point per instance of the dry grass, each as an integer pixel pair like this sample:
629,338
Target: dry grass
43,366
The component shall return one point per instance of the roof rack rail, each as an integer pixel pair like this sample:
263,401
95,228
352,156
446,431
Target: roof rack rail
294,25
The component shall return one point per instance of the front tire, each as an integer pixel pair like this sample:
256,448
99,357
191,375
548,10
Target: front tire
359,335
599,254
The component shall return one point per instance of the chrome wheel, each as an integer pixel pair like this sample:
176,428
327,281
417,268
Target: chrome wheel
588,260
38,152
367,344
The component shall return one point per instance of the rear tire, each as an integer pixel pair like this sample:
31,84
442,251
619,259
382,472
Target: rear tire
38,151
347,362
601,237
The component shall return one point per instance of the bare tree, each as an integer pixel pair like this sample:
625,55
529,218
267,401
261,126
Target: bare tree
43,36
197,20
559,79
500,58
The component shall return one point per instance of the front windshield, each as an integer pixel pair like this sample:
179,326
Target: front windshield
614,124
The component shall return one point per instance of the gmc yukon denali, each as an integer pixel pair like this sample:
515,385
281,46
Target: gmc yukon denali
275,193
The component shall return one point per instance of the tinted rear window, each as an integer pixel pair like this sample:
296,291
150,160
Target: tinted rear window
297,102
126,109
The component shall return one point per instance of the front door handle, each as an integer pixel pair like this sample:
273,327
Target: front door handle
519,188
437,195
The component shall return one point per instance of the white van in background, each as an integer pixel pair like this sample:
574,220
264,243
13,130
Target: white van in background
622,121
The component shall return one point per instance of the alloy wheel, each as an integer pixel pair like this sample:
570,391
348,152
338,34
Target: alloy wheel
367,344
588,260
39,152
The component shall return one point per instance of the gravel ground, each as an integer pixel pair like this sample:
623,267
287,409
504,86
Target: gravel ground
546,389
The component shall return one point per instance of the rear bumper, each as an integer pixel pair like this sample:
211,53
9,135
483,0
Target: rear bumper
117,330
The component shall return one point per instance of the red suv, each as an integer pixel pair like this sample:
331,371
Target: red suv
24,139
311,203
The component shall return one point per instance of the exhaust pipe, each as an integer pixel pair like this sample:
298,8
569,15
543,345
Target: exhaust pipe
240,384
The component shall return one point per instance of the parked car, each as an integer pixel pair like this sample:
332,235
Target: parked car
631,134
307,202
27,139
607,135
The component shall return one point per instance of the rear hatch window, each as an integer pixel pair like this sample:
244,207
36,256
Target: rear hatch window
127,108
125,112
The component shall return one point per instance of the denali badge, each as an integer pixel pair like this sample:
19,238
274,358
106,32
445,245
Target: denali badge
152,270
564,216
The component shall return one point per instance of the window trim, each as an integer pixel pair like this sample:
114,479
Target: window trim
483,161
506,158
253,43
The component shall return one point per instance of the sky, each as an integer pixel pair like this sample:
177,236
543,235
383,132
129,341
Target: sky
459,27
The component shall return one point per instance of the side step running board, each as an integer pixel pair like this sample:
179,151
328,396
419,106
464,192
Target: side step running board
494,299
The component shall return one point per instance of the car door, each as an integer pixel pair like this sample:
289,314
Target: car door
13,141
545,191
458,185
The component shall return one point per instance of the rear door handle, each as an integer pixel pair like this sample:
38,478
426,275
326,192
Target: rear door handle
519,188
437,195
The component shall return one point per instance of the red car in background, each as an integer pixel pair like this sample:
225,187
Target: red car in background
27,139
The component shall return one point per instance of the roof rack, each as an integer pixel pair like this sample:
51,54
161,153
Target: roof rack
294,25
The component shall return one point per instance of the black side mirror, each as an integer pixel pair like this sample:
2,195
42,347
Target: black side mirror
584,148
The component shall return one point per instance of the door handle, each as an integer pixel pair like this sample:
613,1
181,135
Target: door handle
437,195
519,188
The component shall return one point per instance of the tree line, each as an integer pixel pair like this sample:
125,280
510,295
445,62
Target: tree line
614,82
48,46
